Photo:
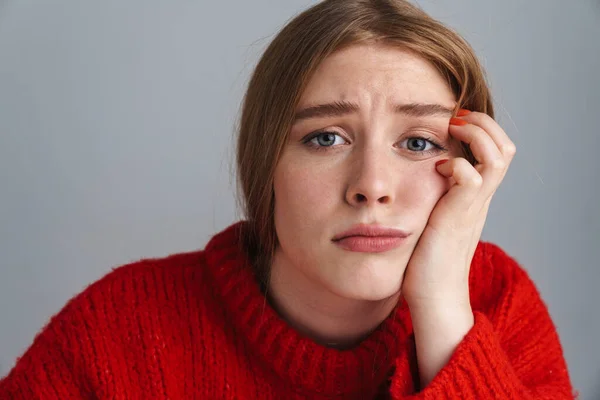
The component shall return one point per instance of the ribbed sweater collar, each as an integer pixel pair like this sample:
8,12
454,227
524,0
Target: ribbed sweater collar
297,360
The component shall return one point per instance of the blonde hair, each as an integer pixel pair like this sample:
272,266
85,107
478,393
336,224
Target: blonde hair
287,65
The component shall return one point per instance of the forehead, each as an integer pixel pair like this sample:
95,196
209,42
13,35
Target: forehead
376,72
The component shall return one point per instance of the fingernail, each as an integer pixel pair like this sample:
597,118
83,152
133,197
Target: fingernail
438,163
462,112
458,121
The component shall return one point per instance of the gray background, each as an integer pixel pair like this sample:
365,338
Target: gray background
116,127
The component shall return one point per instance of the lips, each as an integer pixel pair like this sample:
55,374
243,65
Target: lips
371,231
370,239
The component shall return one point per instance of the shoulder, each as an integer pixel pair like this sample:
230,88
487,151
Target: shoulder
495,276
148,276
156,287
492,265
129,296
139,314
167,289
119,316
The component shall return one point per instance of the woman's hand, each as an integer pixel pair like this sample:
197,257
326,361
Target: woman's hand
438,269
436,282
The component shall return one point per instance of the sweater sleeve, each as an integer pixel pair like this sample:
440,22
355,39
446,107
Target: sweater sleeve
50,368
512,352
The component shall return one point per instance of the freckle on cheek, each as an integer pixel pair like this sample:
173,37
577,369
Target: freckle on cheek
425,187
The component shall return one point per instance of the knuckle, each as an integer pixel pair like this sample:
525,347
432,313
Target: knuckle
509,149
481,117
462,162
475,180
498,164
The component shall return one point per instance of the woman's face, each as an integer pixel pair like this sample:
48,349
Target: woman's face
366,157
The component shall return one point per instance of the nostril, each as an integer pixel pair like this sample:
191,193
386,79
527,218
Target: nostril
384,199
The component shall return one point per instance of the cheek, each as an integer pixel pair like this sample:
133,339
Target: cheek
303,193
422,190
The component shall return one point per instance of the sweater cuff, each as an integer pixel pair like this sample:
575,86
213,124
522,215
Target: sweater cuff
478,369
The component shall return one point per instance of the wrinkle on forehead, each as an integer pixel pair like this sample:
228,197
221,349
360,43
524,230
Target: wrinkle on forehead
374,75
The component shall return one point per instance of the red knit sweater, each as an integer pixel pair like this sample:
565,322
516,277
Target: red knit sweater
196,326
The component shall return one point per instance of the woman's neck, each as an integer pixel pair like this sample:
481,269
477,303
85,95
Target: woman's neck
325,317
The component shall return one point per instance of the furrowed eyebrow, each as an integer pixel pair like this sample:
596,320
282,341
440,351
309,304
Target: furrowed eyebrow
342,107
424,110
326,110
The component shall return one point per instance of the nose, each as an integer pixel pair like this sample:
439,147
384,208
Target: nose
371,180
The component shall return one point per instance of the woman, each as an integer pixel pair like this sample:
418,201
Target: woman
367,159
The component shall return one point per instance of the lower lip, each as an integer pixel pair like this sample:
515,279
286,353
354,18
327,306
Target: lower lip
366,244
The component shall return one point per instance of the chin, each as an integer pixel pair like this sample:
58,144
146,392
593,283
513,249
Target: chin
369,282
373,292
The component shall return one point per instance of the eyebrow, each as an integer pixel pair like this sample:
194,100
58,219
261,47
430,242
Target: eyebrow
338,108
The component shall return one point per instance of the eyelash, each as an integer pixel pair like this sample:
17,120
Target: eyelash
437,146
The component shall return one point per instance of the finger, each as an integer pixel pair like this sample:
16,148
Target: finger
492,164
480,142
489,125
468,183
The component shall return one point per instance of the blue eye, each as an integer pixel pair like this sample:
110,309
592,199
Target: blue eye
420,145
326,140
322,140
417,144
